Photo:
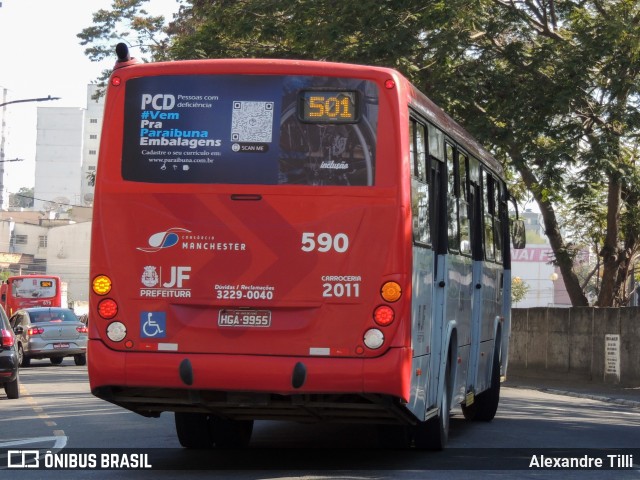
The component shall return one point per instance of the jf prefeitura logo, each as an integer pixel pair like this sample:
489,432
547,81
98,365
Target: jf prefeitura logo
80,460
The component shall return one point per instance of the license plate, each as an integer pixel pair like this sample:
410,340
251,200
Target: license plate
60,345
244,318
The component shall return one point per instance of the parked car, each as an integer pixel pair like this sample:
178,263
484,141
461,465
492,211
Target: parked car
49,332
9,361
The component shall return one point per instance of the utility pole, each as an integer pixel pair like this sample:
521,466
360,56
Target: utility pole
2,132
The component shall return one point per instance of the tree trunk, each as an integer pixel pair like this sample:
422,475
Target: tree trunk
562,256
609,253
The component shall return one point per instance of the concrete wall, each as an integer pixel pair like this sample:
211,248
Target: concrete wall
572,342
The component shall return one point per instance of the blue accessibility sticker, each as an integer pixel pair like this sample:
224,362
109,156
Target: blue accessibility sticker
153,324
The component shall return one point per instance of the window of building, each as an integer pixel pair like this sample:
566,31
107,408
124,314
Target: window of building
93,136
42,241
22,239
93,120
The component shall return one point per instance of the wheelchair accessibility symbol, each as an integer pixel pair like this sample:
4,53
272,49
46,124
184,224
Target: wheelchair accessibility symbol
153,325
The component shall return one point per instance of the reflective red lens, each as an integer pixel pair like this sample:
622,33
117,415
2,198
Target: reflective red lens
108,308
383,315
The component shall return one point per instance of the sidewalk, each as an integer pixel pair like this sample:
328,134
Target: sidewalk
621,395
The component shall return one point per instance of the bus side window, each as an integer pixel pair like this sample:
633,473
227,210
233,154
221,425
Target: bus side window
499,207
488,208
453,191
463,205
419,184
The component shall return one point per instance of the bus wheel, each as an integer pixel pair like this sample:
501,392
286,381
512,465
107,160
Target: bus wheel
80,359
193,430
230,433
434,433
56,360
394,436
485,406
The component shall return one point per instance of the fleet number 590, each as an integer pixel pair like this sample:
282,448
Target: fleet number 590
324,242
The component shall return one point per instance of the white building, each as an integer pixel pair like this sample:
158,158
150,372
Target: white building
91,142
546,287
68,257
58,158
67,146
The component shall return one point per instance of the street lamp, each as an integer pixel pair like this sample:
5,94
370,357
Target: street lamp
41,99
3,105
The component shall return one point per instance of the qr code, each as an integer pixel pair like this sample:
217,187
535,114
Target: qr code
252,122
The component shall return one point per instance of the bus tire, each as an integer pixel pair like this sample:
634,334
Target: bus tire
193,430
485,405
433,434
80,359
12,389
230,433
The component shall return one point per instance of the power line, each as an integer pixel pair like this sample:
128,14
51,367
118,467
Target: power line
43,200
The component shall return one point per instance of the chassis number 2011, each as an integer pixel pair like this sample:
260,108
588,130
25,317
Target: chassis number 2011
340,290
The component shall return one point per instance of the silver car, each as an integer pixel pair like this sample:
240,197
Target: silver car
49,332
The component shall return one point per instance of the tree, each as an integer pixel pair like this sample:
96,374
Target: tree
519,290
550,86
22,199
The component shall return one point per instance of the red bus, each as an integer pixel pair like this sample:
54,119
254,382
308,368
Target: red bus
26,291
296,240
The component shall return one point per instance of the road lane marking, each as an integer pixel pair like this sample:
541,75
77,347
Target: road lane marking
48,421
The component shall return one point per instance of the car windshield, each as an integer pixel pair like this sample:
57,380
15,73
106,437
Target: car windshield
53,316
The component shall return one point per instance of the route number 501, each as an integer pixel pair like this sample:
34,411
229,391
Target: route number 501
324,242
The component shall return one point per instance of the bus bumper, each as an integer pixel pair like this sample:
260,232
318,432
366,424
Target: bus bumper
150,383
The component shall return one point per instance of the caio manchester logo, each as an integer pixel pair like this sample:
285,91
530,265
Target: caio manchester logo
18,459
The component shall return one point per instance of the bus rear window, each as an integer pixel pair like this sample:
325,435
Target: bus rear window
250,129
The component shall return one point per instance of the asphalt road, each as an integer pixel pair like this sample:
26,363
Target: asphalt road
57,412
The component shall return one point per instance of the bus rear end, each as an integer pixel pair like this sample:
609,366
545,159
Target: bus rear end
27,291
249,250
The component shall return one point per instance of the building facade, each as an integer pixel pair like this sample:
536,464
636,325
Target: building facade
58,158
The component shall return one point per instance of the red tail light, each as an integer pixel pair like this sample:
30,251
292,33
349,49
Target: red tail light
108,308
82,329
35,331
383,315
7,338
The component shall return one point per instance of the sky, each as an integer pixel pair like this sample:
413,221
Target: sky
40,55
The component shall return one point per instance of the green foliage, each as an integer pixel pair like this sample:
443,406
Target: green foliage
551,88
519,290
22,199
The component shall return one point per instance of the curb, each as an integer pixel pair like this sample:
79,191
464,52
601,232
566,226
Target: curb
589,396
